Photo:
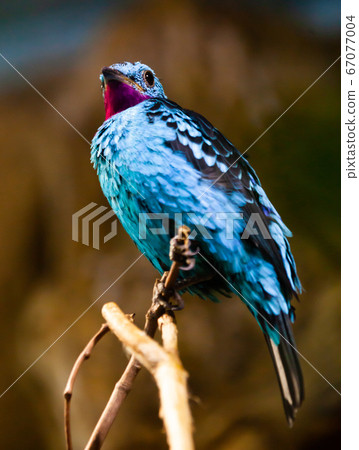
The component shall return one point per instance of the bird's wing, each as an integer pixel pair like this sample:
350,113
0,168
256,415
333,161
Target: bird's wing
205,147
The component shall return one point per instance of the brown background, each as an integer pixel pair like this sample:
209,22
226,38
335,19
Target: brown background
240,67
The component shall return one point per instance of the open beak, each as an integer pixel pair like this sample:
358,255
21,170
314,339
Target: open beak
110,74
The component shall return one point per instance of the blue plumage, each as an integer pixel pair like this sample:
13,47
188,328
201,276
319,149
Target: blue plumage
152,156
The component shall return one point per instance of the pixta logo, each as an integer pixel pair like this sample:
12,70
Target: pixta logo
233,225
88,221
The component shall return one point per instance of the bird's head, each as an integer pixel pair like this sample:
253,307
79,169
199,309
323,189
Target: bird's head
127,84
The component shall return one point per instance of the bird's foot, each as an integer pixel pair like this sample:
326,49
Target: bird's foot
163,295
180,249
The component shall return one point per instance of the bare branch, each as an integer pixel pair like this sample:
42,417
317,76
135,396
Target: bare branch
166,368
168,328
84,355
123,386
172,383
182,259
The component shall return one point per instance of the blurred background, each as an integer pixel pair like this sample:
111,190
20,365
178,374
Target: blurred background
239,63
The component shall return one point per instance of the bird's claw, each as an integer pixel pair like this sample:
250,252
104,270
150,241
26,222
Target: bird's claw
180,249
162,295
191,262
180,253
179,302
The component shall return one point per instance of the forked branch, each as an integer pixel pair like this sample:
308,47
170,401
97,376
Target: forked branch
165,366
162,362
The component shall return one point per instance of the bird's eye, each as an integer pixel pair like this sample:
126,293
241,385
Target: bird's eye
149,78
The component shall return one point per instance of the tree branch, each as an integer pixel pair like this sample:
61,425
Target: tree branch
182,259
84,355
165,366
123,386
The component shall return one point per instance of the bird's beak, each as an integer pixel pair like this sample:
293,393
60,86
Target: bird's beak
110,74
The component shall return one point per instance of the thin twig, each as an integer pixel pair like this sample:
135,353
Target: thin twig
84,355
165,366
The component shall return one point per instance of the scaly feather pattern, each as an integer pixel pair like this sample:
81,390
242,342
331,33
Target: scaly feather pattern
155,157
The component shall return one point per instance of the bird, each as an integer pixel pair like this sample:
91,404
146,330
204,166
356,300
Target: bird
157,161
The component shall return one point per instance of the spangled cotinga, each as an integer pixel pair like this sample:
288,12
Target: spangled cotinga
157,160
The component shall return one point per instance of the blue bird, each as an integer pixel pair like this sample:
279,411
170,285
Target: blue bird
156,160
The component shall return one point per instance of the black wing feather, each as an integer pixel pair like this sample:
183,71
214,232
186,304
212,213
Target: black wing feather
239,177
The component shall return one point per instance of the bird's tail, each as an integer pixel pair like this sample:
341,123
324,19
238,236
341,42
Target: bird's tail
289,373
